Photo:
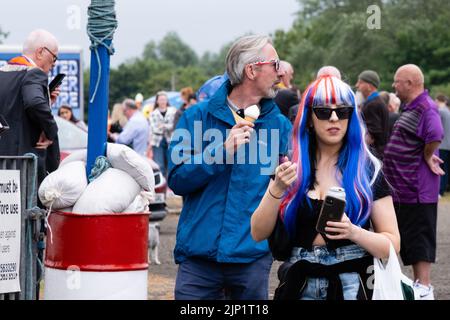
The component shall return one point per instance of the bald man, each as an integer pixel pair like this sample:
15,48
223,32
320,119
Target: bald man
412,168
26,102
329,71
287,74
288,97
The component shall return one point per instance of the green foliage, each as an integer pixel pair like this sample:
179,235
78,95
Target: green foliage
335,32
168,65
171,48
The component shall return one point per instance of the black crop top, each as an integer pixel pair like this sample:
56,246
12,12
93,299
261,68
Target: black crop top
307,219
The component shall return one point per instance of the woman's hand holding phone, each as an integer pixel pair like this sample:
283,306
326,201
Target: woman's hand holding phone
344,229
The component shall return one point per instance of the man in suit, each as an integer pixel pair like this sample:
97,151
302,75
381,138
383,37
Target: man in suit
26,102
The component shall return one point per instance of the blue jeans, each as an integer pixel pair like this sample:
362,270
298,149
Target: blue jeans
200,279
316,288
160,155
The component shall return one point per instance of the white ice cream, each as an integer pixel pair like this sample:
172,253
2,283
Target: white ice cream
252,112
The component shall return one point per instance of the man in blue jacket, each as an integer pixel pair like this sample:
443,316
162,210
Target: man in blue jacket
221,164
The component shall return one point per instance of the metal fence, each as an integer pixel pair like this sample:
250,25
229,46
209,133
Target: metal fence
31,216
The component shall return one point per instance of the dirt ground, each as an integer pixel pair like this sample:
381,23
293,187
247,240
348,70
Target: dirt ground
161,280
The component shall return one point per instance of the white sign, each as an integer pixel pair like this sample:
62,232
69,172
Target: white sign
10,222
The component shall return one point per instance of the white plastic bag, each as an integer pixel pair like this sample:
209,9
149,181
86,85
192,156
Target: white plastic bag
390,282
62,188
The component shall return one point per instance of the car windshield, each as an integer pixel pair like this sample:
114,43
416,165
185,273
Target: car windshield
70,136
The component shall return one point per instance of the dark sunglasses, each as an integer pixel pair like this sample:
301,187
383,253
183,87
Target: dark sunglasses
55,57
324,113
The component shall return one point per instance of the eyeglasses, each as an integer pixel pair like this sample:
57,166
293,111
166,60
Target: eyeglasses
399,81
324,113
55,57
275,63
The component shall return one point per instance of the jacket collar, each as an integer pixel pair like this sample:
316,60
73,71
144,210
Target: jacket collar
22,61
218,106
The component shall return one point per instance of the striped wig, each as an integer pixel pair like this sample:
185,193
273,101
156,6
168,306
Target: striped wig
355,162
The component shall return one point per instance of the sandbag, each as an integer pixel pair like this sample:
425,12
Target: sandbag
128,160
62,188
112,192
79,155
140,203
124,158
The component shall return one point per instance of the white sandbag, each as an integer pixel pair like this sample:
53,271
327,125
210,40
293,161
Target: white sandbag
128,160
62,188
140,203
79,155
112,192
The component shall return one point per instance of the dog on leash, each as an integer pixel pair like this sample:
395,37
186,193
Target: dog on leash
153,242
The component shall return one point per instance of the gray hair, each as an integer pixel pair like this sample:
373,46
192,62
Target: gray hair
394,100
130,104
286,66
329,71
37,39
244,51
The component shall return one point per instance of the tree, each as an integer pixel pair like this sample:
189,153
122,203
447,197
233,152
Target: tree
3,35
173,49
214,63
151,51
336,32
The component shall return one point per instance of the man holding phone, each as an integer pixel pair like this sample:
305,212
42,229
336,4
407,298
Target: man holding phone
26,102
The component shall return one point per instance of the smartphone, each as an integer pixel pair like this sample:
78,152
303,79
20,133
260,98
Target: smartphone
282,159
56,81
3,124
332,208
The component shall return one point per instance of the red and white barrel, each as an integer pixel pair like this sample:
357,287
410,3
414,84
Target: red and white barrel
96,256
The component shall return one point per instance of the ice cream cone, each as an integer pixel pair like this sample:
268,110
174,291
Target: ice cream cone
252,113
252,120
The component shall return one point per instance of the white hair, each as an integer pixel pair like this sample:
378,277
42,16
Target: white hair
329,71
394,101
37,39
286,66
244,51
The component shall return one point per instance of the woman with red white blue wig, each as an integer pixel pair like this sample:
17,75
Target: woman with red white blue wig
327,257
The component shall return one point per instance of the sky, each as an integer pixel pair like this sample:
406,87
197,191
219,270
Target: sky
205,25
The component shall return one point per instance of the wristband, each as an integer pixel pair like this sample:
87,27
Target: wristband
278,198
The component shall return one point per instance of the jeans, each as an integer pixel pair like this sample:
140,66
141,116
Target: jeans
160,155
201,279
316,288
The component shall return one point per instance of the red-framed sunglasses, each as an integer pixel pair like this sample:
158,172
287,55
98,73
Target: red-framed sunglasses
274,62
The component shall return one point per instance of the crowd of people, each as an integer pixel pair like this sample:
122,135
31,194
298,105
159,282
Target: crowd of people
390,152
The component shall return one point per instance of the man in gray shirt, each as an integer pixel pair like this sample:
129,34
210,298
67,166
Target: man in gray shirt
135,132
444,148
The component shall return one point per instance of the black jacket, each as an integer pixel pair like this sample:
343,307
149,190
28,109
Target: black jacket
375,114
25,104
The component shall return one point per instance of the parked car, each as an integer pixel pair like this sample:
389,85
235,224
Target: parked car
72,138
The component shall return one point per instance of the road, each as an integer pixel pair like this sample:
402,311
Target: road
162,277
